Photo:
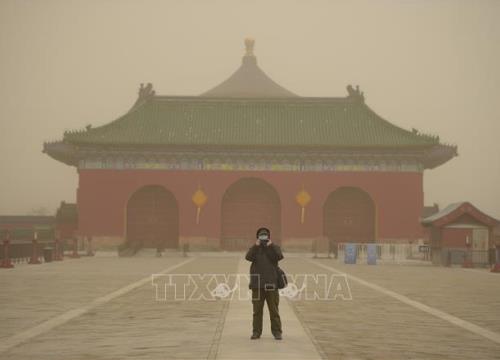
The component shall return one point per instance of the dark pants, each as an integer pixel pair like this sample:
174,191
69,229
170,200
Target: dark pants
272,297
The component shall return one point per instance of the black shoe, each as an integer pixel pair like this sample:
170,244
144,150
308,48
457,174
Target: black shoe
278,337
255,336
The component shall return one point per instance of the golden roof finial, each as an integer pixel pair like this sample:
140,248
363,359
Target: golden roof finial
249,43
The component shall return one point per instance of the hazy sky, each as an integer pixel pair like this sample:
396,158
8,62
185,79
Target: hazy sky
431,65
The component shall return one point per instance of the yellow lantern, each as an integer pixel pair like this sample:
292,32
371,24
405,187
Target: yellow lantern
199,199
303,198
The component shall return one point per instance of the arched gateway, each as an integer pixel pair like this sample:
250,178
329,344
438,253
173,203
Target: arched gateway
247,205
153,218
349,216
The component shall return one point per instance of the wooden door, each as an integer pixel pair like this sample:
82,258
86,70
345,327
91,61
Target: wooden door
152,218
246,206
480,245
349,216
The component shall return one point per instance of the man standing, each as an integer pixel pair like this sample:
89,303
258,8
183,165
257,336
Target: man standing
264,256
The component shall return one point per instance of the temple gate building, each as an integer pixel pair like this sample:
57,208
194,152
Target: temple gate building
210,169
461,230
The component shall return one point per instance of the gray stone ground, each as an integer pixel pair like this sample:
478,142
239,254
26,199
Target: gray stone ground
375,326
135,326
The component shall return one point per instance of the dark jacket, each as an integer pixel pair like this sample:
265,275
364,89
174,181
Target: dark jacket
264,262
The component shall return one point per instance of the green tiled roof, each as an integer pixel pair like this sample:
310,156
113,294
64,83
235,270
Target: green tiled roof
248,110
299,121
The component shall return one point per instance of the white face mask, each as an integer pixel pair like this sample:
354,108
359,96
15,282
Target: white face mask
263,237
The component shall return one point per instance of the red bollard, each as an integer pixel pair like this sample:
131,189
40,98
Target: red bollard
496,267
90,251
57,249
75,255
6,263
34,255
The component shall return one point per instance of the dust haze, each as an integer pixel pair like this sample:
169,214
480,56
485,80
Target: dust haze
429,65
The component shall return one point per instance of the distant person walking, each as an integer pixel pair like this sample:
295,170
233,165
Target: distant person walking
332,248
264,256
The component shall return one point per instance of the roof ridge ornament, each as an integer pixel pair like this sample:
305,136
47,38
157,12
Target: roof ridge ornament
249,57
249,45
145,93
355,94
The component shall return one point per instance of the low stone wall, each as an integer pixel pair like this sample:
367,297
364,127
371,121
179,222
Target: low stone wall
305,244
204,243
105,242
200,243
419,241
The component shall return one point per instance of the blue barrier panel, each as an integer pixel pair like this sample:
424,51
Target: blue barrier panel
350,254
371,250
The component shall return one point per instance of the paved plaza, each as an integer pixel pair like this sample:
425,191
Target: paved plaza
107,307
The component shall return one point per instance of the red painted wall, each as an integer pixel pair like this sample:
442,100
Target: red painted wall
102,197
455,237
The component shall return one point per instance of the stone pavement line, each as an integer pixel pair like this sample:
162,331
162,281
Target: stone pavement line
464,324
214,347
235,341
48,325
